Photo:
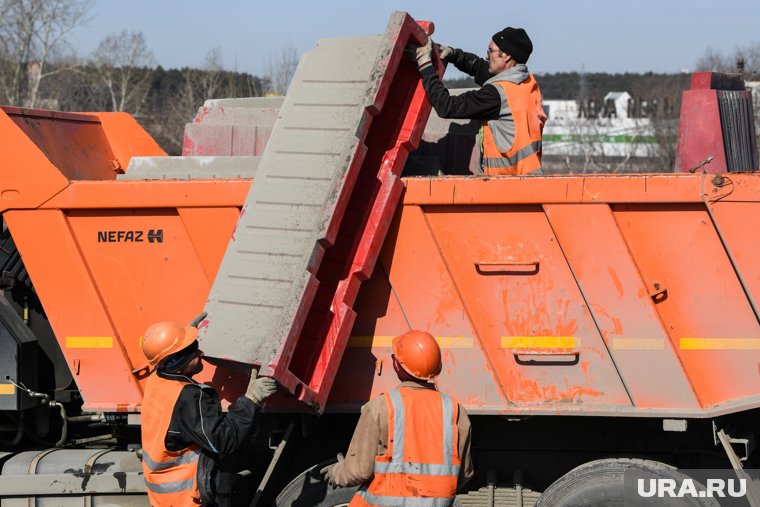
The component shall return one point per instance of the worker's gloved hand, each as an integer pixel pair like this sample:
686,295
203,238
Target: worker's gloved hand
260,388
198,319
328,471
444,51
423,55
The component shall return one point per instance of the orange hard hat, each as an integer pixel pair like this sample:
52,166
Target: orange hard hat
164,339
418,354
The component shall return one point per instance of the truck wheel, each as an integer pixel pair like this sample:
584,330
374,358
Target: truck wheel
601,483
309,489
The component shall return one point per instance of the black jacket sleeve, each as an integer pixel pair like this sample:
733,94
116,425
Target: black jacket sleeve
198,419
481,104
470,64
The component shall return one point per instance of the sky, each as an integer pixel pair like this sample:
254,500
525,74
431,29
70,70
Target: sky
568,35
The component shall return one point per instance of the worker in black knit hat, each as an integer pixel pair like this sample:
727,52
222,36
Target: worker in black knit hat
508,102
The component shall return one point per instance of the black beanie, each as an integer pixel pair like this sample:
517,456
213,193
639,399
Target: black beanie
515,42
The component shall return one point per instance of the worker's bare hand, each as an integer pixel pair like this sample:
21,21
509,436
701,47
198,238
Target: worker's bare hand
260,388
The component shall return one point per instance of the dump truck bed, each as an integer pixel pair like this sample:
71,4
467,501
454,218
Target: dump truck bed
580,295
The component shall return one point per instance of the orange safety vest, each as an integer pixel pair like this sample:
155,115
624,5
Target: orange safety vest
515,149
421,466
170,476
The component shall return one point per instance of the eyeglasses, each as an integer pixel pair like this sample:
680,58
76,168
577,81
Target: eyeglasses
489,51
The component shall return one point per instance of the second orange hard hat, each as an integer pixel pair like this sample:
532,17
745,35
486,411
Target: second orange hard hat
164,339
418,354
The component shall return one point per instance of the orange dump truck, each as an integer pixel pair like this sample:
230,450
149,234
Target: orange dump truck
589,324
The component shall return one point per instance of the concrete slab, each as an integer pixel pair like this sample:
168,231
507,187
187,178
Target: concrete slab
325,150
354,108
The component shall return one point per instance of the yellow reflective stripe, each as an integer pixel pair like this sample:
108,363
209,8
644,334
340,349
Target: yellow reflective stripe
454,342
89,342
445,342
540,342
720,343
638,344
7,389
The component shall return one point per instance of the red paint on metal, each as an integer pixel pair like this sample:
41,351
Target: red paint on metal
700,132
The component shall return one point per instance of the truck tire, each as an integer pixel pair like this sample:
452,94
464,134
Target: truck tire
601,484
309,489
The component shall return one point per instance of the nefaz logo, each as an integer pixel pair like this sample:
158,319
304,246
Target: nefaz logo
151,236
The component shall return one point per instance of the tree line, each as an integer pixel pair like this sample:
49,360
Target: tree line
39,68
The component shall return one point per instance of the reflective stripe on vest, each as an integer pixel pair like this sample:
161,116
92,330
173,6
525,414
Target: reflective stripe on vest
155,466
403,501
522,153
436,481
416,469
171,487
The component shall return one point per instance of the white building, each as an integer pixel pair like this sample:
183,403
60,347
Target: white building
613,134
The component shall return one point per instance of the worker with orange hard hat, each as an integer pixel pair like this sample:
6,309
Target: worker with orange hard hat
411,442
184,432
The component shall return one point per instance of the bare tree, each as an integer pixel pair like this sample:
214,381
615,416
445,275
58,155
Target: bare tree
209,81
280,69
122,62
716,61
32,32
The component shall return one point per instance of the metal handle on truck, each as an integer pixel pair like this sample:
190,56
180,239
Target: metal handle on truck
507,267
546,358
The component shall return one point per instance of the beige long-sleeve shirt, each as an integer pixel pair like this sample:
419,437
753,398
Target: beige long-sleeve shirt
371,440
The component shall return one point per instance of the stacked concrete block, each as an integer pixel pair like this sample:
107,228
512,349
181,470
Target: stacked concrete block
243,126
232,127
